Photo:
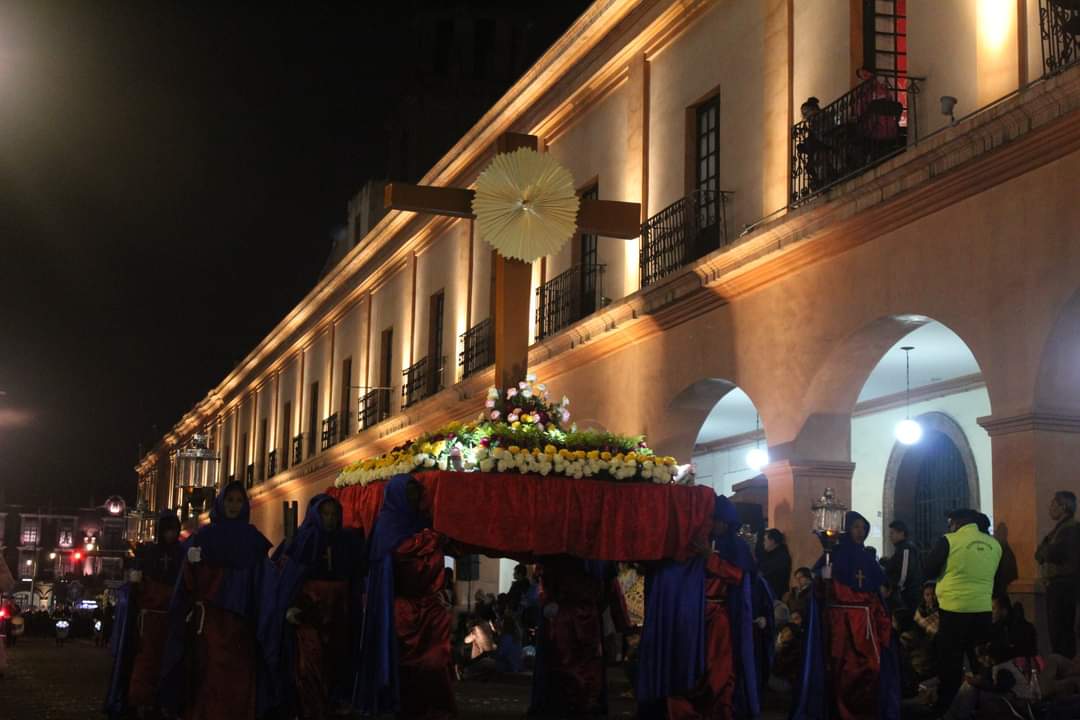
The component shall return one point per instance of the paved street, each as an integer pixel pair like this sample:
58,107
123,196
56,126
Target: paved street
45,682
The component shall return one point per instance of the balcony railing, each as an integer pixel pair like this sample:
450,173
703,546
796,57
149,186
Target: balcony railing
422,379
1059,28
298,449
374,407
872,122
271,464
329,431
477,348
682,232
568,297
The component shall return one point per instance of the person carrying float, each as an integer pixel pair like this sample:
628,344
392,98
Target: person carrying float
141,626
697,646
213,667
310,630
569,677
405,664
850,670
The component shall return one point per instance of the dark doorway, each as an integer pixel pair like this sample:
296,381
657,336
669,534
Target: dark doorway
932,479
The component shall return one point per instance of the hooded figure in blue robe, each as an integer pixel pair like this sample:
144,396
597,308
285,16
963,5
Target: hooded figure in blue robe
405,665
850,669
696,656
310,628
214,668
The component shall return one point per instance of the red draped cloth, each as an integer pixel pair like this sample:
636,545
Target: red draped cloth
532,515
858,628
153,629
713,698
573,650
223,664
322,642
422,622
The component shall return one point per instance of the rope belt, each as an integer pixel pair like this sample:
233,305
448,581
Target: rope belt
869,623
142,616
201,606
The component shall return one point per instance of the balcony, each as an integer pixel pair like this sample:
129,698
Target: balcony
568,297
478,348
271,464
298,449
329,431
869,124
343,427
1059,29
682,232
374,407
422,379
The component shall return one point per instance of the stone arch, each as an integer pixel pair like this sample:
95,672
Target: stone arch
932,422
1057,386
834,389
686,412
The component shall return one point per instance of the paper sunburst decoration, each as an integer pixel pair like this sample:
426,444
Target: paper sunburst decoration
525,205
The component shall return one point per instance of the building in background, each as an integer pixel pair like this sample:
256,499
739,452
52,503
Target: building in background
790,250
64,555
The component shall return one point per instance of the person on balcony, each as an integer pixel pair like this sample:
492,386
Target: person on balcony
850,666
811,143
697,650
569,677
405,664
141,627
877,115
213,668
311,630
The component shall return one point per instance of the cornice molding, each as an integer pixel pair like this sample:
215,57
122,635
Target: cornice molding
1029,422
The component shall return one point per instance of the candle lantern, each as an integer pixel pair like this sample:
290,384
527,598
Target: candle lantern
828,524
197,470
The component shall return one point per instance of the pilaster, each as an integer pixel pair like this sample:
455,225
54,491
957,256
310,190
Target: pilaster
794,486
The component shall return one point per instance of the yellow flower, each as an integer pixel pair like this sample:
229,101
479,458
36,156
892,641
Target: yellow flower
514,449
579,454
516,424
605,456
550,449
631,456
564,453
594,455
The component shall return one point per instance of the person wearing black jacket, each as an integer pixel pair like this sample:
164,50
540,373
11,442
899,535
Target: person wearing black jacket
904,569
774,563
1058,556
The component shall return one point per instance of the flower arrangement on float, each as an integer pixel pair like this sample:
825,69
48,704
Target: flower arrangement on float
521,430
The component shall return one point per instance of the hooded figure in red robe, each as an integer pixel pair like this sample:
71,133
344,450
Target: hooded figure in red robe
213,664
141,628
405,650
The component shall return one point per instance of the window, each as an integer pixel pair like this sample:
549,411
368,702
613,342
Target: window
313,418
65,536
243,458
386,354
226,458
346,396
30,531
707,168
588,259
436,307
884,39
285,433
264,438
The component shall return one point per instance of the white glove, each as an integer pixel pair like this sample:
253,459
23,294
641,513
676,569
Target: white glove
135,576
194,554
551,610
292,615
760,622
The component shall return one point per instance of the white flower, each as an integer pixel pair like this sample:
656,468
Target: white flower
541,387
493,393
531,377
489,404
527,392
486,465
565,401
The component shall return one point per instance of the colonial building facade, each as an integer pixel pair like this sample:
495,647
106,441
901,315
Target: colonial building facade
822,184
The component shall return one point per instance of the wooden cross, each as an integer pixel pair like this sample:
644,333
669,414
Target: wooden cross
510,313
860,577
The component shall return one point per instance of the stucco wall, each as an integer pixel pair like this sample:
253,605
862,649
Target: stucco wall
443,266
822,50
390,308
348,343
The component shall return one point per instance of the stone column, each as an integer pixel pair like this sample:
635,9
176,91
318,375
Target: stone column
794,486
1033,456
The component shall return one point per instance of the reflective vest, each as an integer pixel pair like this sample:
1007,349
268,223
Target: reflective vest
968,583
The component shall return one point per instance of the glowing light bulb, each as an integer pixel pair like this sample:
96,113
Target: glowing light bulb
908,432
757,459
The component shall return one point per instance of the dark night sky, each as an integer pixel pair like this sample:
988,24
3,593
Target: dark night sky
170,176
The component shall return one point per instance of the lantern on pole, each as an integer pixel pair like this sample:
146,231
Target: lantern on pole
828,525
197,470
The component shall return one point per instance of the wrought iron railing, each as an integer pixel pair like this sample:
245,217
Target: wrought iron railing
298,449
374,407
271,463
568,297
1059,28
422,379
477,348
872,122
682,232
329,431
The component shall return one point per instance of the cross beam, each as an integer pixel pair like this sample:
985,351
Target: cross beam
513,278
